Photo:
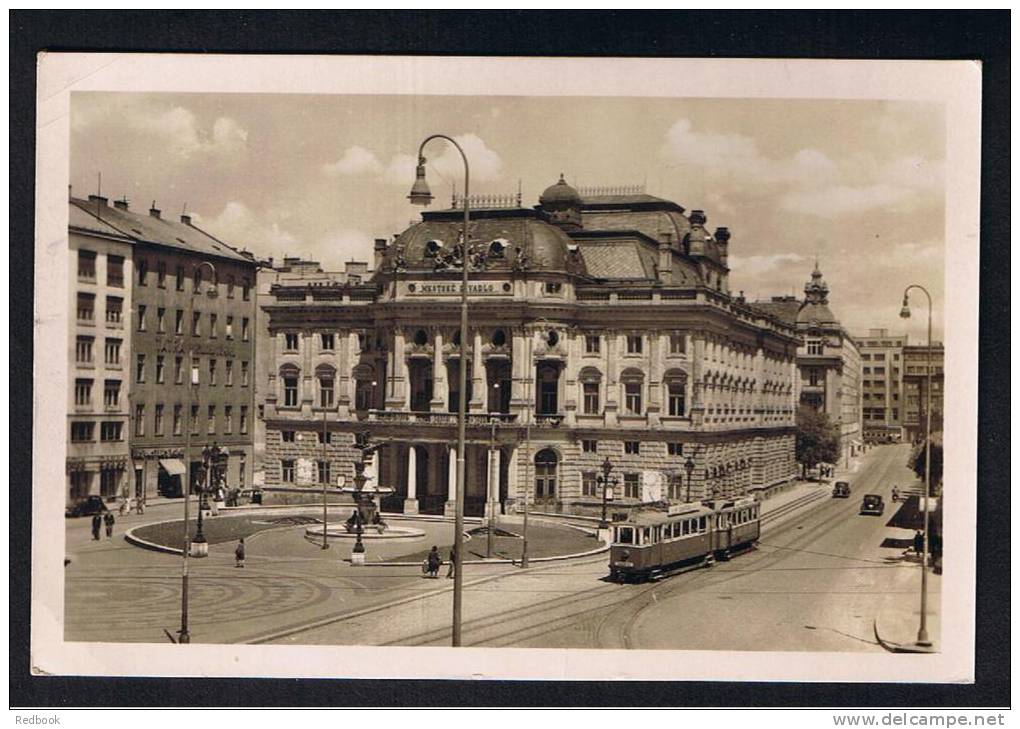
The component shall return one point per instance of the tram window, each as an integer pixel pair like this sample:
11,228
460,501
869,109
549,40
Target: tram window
625,535
677,529
702,524
646,536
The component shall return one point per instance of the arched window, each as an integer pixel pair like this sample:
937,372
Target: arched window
633,386
289,378
591,381
676,393
326,377
548,388
545,474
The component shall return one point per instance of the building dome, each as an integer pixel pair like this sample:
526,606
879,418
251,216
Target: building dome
559,194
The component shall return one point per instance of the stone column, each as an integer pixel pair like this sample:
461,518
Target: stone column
569,375
343,385
517,372
479,391
513,492
492,482
440,392
656,350
698,355
451,484
411,500
612,403
398,397
352,359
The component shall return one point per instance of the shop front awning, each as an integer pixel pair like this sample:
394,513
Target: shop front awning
173,466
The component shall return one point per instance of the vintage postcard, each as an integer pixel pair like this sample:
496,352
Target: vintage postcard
505,368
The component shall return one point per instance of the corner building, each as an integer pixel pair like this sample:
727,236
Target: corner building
600,325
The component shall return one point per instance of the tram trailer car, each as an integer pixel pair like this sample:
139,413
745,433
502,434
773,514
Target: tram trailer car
652,543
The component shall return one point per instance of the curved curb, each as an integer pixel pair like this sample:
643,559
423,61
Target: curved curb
130,538
900,647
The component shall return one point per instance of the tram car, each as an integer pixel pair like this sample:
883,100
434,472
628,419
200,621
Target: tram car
655,542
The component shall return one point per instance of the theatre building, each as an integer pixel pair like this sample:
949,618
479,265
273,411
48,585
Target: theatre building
601,326
191,297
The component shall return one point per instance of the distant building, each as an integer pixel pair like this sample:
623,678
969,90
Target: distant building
882,378
177,408
601,326
828,360
915,388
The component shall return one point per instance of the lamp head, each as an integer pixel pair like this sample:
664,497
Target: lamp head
420,193
905,311
607,465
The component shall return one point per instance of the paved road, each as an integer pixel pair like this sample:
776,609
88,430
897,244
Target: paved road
815,583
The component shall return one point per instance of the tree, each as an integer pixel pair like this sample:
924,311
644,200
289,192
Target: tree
917,461
817,438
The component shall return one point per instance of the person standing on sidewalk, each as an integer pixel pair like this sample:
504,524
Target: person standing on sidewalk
453,563
239,554
97,522
918,542
109,524
434,562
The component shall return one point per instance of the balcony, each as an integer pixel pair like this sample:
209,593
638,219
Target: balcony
474,420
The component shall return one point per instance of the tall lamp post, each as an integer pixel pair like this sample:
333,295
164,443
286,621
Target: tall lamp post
421,195
184,635
689,468
607,483
325,477
922,631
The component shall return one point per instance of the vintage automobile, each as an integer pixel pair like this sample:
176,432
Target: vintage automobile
86,507
872,505
841,490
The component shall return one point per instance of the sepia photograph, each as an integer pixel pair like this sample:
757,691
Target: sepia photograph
581,368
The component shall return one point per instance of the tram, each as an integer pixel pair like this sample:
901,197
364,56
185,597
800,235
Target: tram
652,543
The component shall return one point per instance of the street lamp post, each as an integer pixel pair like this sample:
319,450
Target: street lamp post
420,195
183,633
689,468
493,481
607,484
325,478
922,631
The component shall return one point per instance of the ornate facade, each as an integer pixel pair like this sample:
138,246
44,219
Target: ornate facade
600,325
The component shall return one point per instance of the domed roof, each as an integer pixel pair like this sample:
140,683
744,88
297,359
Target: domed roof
559,193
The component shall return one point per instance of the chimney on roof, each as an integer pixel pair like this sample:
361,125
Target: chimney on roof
98,199
121,204
665,267
380,253
722,237
185,218
698,217
154,211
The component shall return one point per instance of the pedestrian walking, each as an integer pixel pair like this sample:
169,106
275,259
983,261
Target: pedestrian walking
239,554
97,523
453,563
109,520
434,562
918,542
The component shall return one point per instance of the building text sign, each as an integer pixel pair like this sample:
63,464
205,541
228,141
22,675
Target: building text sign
453,288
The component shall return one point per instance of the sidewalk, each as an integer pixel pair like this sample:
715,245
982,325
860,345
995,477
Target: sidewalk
897,623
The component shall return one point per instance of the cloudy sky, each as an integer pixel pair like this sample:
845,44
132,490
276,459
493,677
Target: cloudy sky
858,184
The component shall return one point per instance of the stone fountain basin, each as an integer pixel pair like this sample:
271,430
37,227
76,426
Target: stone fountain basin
368,534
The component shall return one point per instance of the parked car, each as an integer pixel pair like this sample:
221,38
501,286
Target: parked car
249,496
86,507
841,490
872,505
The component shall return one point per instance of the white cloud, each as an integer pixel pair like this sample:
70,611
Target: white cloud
756,265
345,244
355,161
239,226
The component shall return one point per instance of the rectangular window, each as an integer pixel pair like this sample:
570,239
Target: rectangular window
82,432
141,317
177,419
589,446
140,368
677,396
880,357
675,449
228,420
592,343
634,344
243,420
114,310
179,321
212,371
161,320
867,370
290,391
229,333
632,398
178,370
179,278
86,266
815,346
115,271
246,291
589,483
287,436
194,420
230,287
160,369
323,471
110,432
880,370
139,420
677,343
142,266
631,485
83,350
196,320
86,308
632,447
327,342
896,415
326,391
83,392
212,325
210,422
161,274
157,426
111,394
229,377
244,329
287,468
591,398
244,373
326,437
111,352
290,342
